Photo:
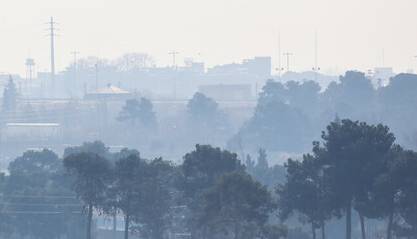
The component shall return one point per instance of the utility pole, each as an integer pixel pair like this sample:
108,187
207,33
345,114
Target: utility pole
52,35
174,66
415,57
174,54
279,56
288,55
30,63
383,57
96,70
75,53
316,67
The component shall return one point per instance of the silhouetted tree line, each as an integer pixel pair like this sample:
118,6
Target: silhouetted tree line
209,194
356,167
202,121
288,115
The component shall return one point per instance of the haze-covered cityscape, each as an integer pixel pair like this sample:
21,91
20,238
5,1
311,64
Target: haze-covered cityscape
197,120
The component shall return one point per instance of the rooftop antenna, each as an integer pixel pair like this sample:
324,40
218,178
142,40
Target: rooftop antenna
288,56
52,35
174,54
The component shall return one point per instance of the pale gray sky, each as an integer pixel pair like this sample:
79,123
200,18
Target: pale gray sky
352,33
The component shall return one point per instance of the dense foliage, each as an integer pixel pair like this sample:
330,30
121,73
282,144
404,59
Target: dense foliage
355,167
288,114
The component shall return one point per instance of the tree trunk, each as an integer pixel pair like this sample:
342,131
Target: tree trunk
127,219
89,220
390,221
158,232
236,236
193,232
313,230
362,219
349,220
115,224
323,230
204,232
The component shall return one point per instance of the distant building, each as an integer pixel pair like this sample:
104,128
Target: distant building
227,92
253,72
193,67
163,82
109,93
30,132
258,66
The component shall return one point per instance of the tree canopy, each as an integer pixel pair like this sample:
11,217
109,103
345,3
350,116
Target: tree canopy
138,112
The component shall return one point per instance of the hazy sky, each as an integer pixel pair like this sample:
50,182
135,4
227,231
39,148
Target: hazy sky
352,33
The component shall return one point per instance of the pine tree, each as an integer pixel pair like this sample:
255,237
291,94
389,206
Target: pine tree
9,96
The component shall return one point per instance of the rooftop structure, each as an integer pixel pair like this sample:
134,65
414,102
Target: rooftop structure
110,92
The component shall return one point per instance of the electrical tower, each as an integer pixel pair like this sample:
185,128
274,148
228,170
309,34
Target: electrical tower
52,33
